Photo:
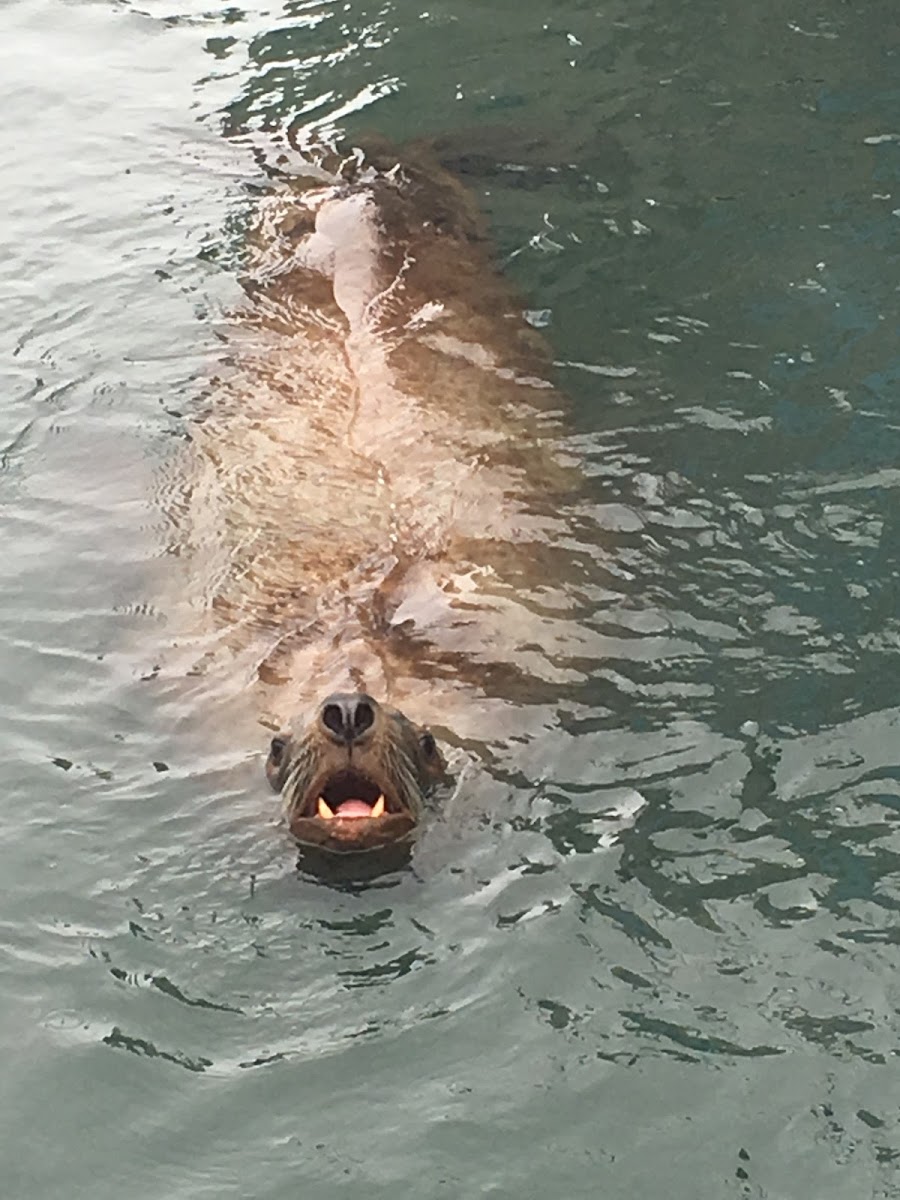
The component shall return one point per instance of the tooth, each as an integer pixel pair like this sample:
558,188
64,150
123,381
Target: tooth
324,811
378,807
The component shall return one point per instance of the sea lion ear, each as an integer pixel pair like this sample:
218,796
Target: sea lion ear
278,760
434,760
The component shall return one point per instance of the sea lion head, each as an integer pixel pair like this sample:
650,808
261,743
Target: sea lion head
354,778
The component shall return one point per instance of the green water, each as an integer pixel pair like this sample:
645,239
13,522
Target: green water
650,949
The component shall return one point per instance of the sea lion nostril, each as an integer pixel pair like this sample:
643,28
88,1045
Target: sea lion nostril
333,719
363,717
348,717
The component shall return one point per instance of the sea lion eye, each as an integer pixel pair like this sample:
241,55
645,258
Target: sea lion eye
276,750
428,744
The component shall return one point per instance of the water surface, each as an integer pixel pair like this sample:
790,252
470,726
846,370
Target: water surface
650,946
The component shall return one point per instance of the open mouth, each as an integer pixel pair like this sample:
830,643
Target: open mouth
347,811
351,795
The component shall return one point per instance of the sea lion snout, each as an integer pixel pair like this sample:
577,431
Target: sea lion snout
347,717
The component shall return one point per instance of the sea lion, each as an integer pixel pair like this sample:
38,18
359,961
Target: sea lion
376,473
356,777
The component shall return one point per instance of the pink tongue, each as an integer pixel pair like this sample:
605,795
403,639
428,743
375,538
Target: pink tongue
353,808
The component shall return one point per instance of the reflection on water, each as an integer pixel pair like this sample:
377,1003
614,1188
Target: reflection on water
650,932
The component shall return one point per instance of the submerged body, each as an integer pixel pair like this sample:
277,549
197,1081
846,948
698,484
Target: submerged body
378,469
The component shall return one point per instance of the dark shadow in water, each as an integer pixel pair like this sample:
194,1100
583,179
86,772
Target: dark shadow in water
384,972
354,873
122,1041
704,1043
162,984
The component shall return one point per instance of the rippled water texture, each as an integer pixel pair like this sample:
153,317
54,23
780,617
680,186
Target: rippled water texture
648,944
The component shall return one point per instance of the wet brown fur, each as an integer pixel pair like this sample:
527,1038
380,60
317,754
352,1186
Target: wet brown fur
376,472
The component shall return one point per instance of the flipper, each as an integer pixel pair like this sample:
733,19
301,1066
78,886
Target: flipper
522,158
